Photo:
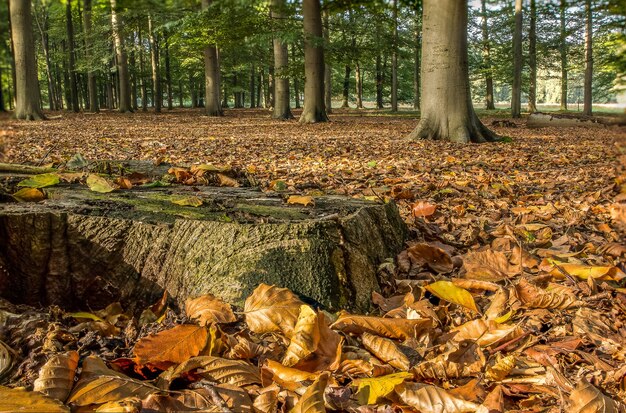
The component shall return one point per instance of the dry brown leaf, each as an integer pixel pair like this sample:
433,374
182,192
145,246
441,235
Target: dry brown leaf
423,209
300,200
494,402
272,309
532,296
485,333
500,369
428,255
209,309
588,399
487,265
172,346
431,399
396,328
463,360
108,388
127,405
312,401
227,181
56,377
163,403
386,350
287,377
266,402
20,400
305,338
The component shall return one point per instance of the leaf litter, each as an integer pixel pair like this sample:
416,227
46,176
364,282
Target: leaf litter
509,297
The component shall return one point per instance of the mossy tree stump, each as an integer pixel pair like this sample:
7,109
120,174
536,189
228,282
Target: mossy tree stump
79,249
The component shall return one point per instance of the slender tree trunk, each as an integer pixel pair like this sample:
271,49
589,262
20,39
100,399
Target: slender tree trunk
134,96
532,58
72,63
252,87
379,82
157,94
359,85
13,101
271,86
211,76
281,80
417,31
447,111
314,106
67,93
122,62
394,60
563,50
489,103
516,95
45,45
91,76
328,81
28,104
193,92
181,103
2,107
346,88
168,74
588,92
259,93
142,74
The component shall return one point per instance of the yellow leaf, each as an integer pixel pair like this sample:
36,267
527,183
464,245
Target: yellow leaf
312,401
40,181
584,271
56,377
126,405
227,181
287,377
305,338
99,184
272,309
192,201
29,195
397,328
386,350
500,369
173,346
428,398
105,389
89,316
300,200
449,292
20,400
209,309
370,390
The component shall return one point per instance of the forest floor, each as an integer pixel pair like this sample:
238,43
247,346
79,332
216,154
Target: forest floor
533,227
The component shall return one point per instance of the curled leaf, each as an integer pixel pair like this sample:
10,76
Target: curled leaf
56,377
447,291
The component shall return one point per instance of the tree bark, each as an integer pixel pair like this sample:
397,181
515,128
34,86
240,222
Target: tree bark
281,53
168,74
516,95
180,94
394,60
328,82
252,87
142,75
45,45
379,82
72,57
489,103
91,76
359,85
314,106
2,107
532,58
157,94
346,88
417,31
588,92
134,96
12,101
122,62
563,50
212,105
28,102
447,111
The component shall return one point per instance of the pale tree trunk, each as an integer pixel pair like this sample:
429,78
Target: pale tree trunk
252,87
417,32
281,80
328,82
516,94
489,103
314,106
212,105
394,60
28,103
359,85
91,76
563,50
45,45
157,95
168,74
12,101
124,104
142,74
346,88
134,96
532,58
588,93
447,111
379,82
72,62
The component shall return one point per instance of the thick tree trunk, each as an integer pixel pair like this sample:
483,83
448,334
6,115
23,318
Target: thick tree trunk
28,102
394,60
168,75
532,58
122,62
157,94
328,81
516,94
72,57
281,80
91,76
563,50
588,92
359,85
417,33
346,88
447,111
314,106
212,105
489,103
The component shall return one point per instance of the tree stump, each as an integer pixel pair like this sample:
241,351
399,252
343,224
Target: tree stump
80,249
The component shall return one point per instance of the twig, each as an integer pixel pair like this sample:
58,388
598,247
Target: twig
24,169
46,155
510,342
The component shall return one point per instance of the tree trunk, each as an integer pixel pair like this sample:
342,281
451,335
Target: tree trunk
516,94
133,82
563,50
67,93
532,58
212,105
447,111
417,31
314,106
346,88
12,101
28,102
394,60
328,81
91,76
588,92
359,85
270,87
489,103
180,94
45,45
259,93
142,75
157,94
379,82
72,57
122,62
168,74
252,87
281,80
2,108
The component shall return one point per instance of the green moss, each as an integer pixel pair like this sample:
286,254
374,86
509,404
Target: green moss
282,213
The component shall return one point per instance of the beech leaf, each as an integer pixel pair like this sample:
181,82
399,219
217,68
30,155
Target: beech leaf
447,291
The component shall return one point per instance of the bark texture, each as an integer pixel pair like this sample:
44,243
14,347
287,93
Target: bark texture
394,60
489,103
516,94
28,104
281,62
157,94
447,111
124,104
81,250
72,58
563,50
314,106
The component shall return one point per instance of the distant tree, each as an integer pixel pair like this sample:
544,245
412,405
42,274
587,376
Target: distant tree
91,76
314,108
489,104
516,96
281,62
588,92
212,104
532,58
124,104
563,52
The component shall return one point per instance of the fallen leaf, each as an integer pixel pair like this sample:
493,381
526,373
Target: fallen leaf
56,377
397,328
423,209
447,291
192,201
40,181
29,195
488,265
173,346
312,401
99,184
588,399
386,350
208,309
371,390
300,200
272,309
431,399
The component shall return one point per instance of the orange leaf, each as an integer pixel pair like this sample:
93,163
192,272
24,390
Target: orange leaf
172,346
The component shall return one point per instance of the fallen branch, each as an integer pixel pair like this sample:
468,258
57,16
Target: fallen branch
24,169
